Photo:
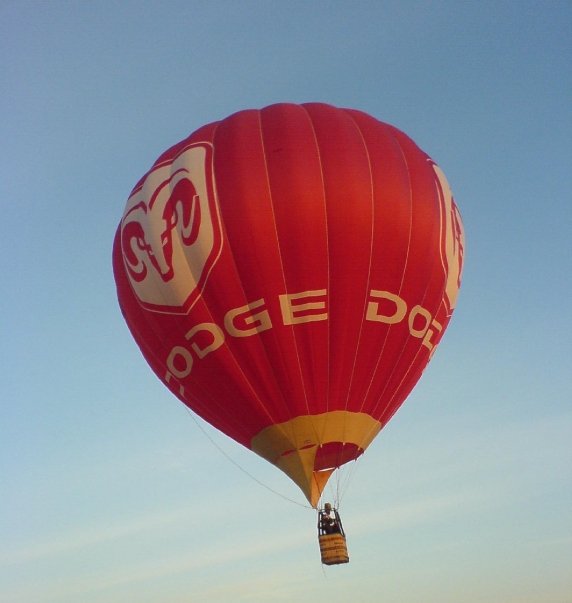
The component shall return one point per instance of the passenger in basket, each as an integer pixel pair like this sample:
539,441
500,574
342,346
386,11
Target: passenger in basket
329,520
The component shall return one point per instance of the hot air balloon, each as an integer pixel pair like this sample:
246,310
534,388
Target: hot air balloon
288,274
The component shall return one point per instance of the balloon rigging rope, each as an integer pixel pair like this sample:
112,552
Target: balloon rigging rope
238,466
344,476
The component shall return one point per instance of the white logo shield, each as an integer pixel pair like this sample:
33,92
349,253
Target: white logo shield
170,232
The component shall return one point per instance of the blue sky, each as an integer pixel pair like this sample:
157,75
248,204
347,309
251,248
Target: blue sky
110,491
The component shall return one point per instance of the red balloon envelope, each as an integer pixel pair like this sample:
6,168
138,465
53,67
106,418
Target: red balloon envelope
288,273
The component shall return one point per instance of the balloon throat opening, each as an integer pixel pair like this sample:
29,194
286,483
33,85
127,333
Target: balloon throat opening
309,448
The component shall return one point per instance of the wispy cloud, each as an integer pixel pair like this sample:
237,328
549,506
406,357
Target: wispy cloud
70,542
412,513
156,568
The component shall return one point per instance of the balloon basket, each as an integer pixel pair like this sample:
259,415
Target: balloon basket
333,549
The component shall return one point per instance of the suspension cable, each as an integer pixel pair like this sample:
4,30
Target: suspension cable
231,460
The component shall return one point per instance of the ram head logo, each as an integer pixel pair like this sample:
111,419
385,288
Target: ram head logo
170,232
452,241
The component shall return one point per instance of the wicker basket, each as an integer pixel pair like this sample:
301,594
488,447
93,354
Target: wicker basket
333,549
